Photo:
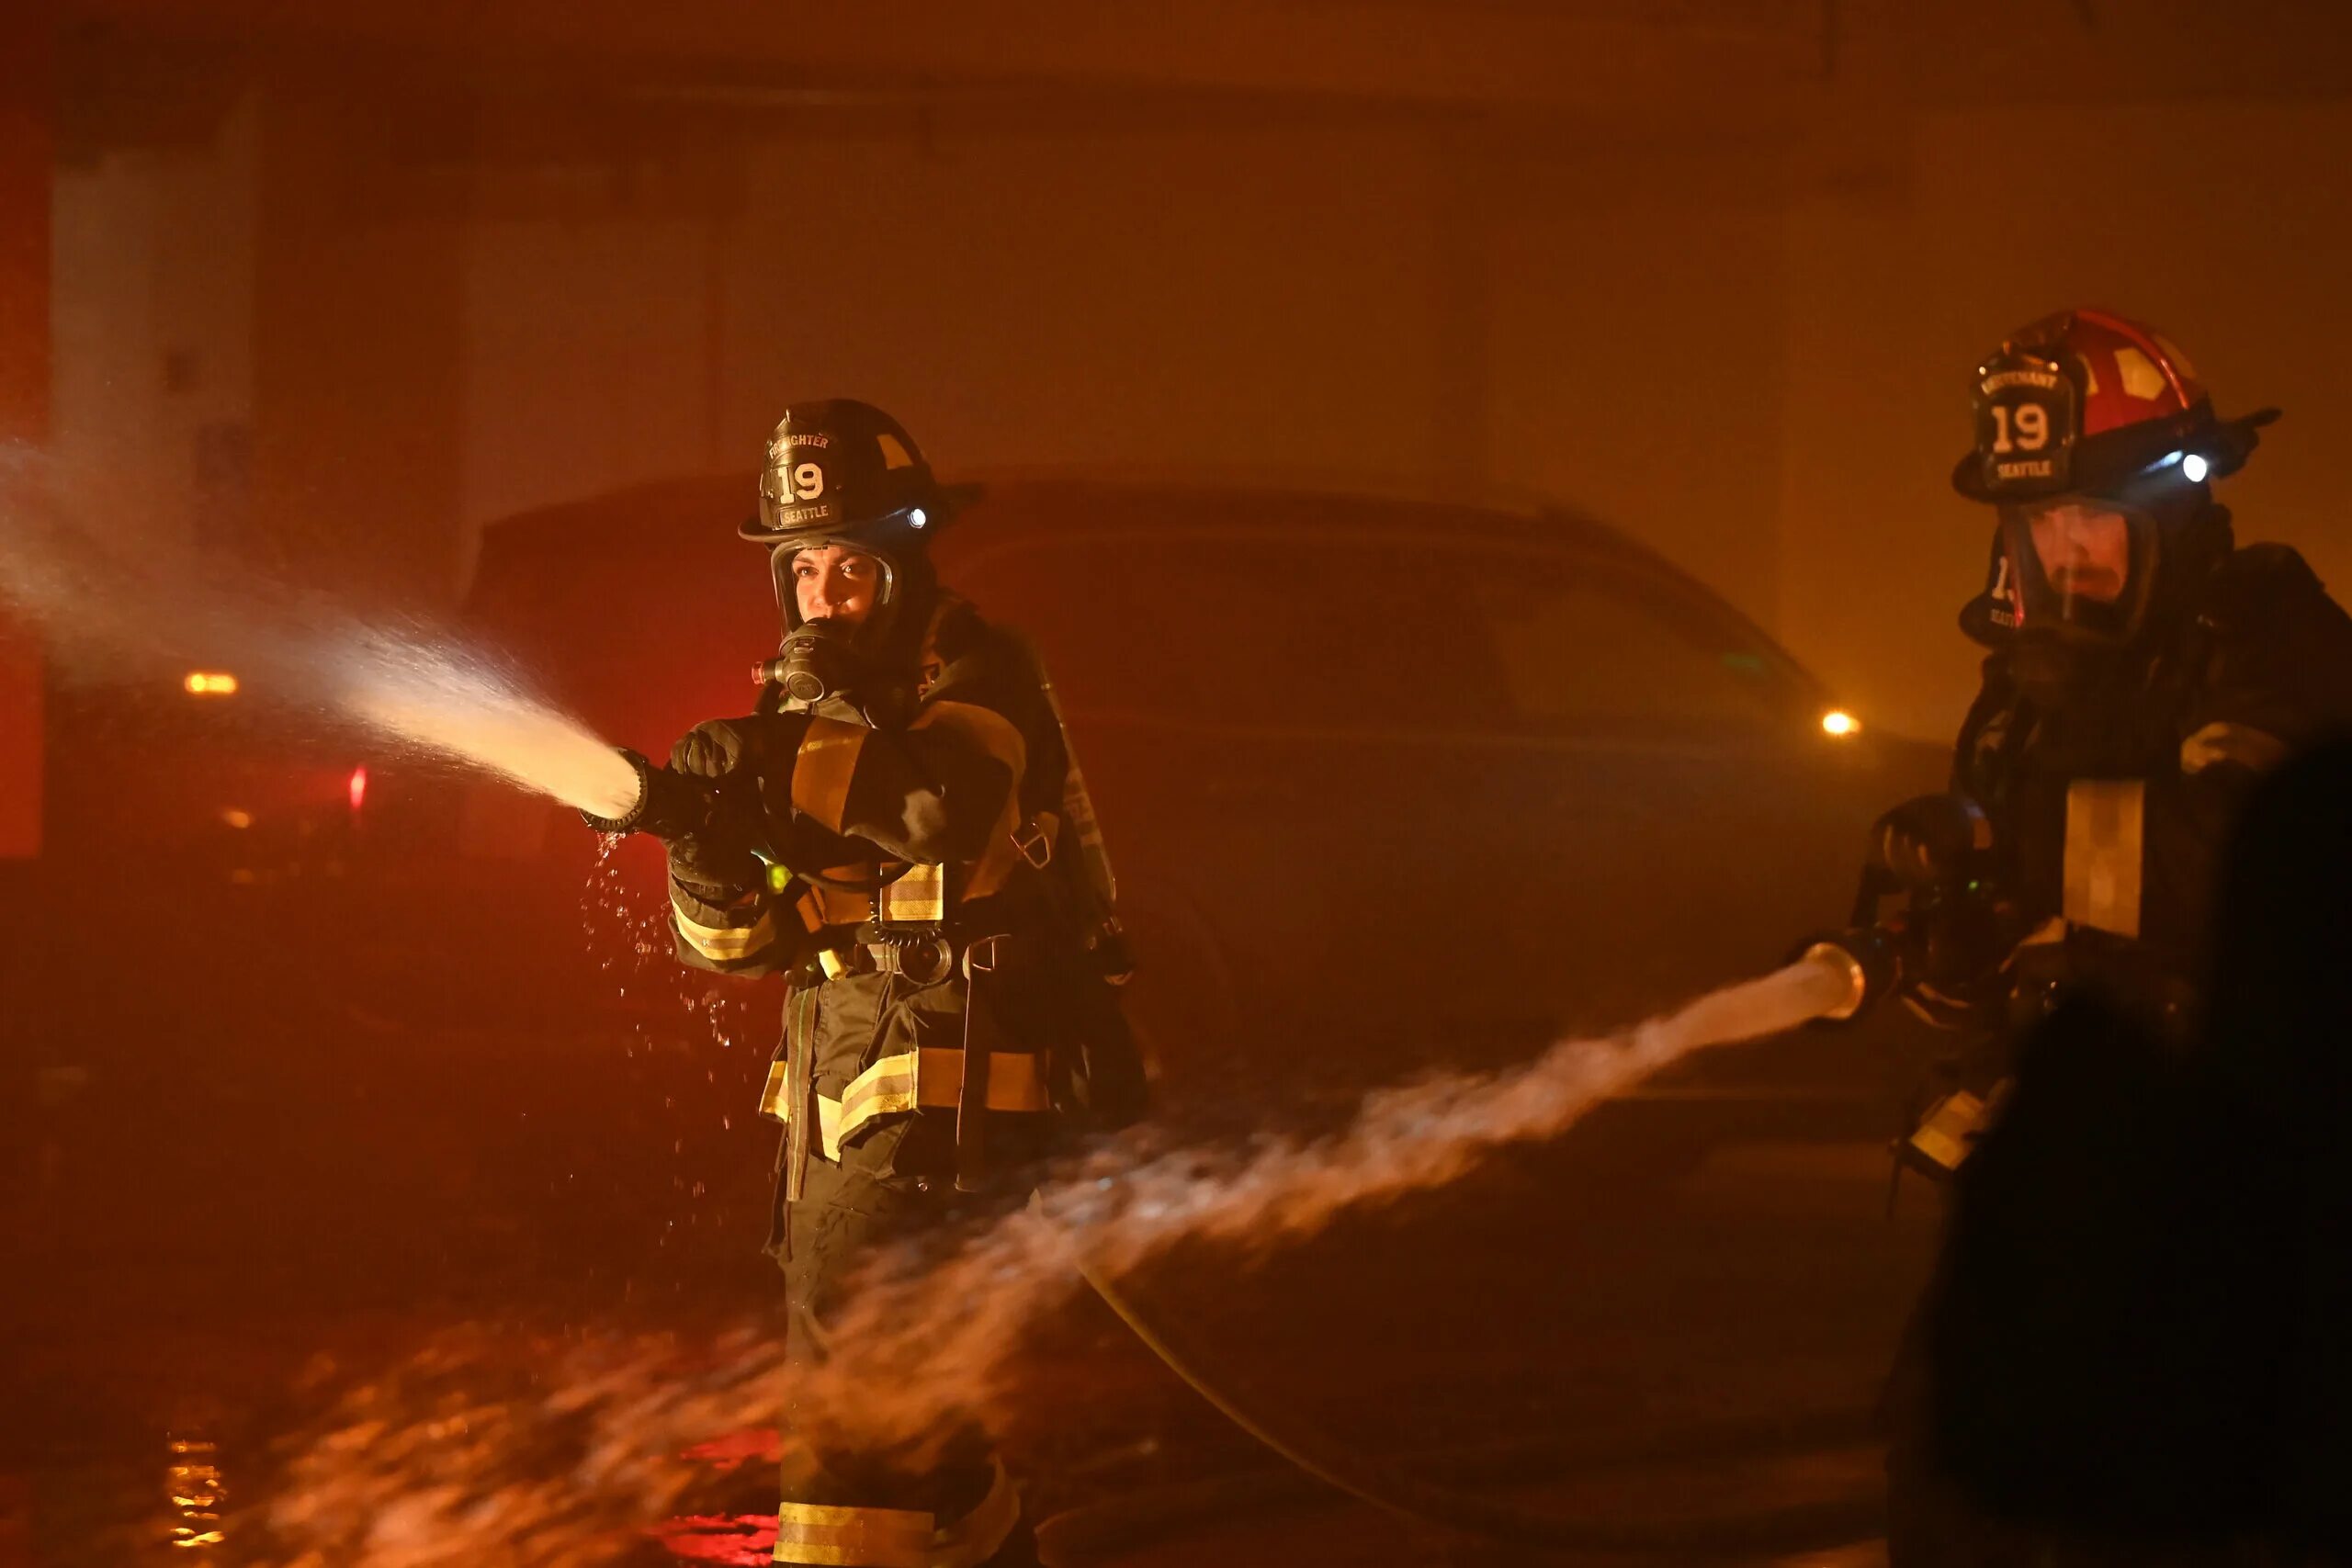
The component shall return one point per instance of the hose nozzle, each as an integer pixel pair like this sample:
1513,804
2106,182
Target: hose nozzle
669,804
1864,958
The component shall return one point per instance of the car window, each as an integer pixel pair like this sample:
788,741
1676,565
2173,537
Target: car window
1237,627
1585,643
1331,629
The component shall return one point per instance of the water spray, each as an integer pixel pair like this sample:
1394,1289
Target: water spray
102,609
933,1330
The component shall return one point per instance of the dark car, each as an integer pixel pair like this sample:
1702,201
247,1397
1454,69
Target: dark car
1386,782
198,777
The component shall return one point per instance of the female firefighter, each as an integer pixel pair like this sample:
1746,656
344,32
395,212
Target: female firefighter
911,846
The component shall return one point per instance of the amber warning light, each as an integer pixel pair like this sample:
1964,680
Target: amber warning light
208,683
1840,723
356,786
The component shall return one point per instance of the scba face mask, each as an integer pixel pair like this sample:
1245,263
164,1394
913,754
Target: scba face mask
2079,568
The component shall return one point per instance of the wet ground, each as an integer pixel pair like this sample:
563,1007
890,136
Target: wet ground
244,1194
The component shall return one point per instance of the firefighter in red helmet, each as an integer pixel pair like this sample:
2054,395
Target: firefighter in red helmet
2143,667
923,864
2143,670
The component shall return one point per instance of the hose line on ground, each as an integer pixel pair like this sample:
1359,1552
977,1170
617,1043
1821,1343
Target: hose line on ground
1361,1476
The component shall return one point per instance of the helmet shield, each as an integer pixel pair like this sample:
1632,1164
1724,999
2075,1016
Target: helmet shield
2075,567
787,597
2029,417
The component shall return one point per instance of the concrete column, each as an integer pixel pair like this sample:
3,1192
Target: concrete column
358,321
1461,309
28,77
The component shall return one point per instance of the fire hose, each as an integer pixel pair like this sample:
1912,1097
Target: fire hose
1372,1481
671,804
1868,959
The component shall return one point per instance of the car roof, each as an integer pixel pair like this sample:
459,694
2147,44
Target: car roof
692,515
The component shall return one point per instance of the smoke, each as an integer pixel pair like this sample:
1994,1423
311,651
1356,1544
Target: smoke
437,1468
104,611
558,1451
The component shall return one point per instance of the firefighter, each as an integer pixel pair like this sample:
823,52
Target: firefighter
2142,671
917,856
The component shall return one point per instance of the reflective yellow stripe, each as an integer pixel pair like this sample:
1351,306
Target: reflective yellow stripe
822,770
854,1538
2257,749
2105,855
919,897
725,942
883,1089
925,1076
897,1538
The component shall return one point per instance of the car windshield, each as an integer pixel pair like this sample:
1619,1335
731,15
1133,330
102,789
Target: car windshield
1343,630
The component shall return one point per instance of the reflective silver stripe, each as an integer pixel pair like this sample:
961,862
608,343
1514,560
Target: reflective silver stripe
919,897
724,942
2104,854
925,1076
854,1538
897,1538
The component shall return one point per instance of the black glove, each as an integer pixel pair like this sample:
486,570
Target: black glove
716,860
1930,841
721,749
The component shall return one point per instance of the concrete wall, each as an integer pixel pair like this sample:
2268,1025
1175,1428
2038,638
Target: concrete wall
154,316
1198,300
1754,358
2226,223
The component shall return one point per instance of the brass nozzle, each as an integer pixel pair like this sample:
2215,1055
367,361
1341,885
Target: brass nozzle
1863,958
1849,971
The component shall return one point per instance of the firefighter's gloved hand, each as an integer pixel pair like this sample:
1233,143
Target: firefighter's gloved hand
716,862
714,867
1930,841
722,748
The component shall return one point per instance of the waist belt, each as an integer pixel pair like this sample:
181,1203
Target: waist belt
924,958
924,954
928,1075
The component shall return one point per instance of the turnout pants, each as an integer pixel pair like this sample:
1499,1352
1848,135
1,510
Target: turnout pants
848,1507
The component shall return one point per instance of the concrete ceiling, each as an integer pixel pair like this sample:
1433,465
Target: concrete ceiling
1699,70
